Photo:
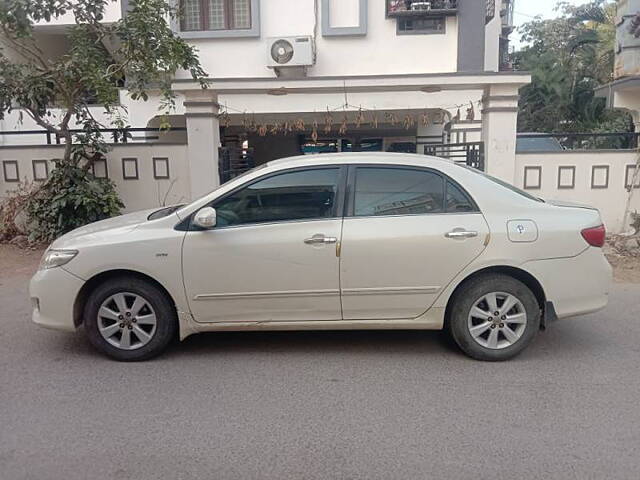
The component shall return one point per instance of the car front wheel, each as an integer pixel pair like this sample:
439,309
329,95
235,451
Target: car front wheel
494,317
129,319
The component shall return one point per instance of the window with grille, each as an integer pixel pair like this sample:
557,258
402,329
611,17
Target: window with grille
215,15
407,26
491,10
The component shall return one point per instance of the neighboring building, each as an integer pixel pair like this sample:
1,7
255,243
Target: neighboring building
624,91
311,76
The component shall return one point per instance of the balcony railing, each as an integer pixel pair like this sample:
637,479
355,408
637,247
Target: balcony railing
110,135
507,17
400,8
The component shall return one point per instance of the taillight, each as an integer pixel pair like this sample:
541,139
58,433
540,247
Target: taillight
595,235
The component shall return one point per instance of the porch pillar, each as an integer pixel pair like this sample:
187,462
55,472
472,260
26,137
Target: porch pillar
203,137
635,114
499,128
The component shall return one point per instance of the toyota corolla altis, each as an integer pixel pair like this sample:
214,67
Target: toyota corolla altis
339,241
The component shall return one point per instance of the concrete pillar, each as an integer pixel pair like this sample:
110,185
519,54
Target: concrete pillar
203,137
636,119
499,129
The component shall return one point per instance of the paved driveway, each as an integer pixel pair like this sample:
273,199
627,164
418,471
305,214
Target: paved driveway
370,405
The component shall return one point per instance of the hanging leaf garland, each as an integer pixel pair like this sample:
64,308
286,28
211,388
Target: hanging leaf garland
253,125
343,126
425,119
456,119
471,112
391,118
328,122
436,115
225,118
408,122
360,120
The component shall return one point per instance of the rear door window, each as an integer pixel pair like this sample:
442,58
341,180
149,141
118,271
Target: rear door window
397,191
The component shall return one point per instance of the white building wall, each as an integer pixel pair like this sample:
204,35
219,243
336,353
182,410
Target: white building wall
380,51
492,41
112,13
598,179
137,194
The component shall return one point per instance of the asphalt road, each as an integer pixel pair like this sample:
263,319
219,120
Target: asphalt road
347,405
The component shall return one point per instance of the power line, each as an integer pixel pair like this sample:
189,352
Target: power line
526,15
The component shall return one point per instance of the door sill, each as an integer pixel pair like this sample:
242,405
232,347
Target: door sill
424,322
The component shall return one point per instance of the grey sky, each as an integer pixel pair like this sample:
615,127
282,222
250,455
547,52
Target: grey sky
526,9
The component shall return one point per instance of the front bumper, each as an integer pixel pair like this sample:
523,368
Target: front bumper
53,293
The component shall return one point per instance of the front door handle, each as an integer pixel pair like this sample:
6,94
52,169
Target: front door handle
461,233
320,239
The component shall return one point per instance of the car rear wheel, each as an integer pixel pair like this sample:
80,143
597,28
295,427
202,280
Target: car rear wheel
494,317
129,319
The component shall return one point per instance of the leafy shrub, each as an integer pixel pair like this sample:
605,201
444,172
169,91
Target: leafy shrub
70,198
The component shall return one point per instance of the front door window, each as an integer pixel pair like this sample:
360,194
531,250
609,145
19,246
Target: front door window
299,195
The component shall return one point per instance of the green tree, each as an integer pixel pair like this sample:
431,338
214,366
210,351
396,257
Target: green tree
569,57
139,49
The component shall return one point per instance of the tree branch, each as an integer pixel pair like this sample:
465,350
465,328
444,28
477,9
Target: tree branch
22,49
41,121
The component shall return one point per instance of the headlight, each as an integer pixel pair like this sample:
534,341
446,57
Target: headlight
56,258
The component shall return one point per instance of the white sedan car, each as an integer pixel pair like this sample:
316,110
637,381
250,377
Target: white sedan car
340,241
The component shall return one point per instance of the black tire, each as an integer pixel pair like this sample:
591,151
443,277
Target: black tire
465,299
166,324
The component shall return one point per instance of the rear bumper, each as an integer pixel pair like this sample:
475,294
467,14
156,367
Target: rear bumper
577,285
53,293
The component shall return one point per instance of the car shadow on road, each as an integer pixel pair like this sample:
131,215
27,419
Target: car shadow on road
369,342
560,340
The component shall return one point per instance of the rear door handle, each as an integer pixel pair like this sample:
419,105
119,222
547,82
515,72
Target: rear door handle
320,239
461,233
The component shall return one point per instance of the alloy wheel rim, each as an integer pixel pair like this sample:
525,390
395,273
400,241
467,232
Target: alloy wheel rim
127,321
497,320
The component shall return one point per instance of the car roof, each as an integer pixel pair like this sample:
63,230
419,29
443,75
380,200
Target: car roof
389,158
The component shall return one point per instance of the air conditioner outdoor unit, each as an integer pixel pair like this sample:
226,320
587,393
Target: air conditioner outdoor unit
290,52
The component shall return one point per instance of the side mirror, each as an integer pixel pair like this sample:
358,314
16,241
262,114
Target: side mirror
205,218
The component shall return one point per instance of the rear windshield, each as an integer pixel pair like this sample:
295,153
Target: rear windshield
504,184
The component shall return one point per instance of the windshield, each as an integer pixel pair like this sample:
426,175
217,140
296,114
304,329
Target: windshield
504,184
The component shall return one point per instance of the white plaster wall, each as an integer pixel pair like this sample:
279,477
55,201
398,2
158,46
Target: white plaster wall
260,103
344,13
381,51
139,113
136,113
492,41
146,192
112,13
610,201
629,100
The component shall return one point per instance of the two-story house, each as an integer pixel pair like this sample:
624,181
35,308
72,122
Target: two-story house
624,91
291,77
